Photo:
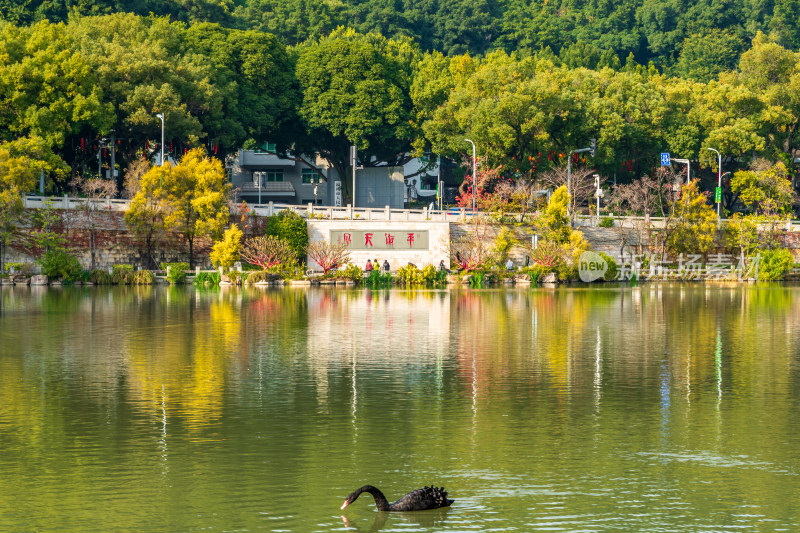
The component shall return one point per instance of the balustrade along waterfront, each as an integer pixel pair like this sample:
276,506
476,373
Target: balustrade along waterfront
654,407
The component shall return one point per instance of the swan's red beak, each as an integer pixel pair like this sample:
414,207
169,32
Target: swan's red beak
345,504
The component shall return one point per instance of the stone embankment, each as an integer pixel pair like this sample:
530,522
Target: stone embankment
117,245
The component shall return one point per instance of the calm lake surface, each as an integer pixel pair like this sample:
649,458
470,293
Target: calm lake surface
610,408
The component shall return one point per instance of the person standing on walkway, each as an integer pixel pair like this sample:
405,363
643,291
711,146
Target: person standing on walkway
386,265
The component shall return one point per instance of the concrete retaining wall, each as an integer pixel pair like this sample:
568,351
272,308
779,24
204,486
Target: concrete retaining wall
399,252
116,245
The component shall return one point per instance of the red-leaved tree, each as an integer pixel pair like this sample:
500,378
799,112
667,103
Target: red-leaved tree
487,180
548,254
327,255
266,251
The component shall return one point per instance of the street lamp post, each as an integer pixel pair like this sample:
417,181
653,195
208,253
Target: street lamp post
353,163
100,158
597,194
474,172
439,180
161,116
719,179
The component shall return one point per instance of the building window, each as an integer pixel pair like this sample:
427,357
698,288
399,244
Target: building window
264,176
266,148
311,176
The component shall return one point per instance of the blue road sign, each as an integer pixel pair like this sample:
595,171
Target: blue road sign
665,159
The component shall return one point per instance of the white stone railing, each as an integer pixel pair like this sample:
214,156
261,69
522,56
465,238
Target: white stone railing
354,213
366,213
657,222
271,208
66,202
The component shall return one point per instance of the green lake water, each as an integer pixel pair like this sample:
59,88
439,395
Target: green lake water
660,407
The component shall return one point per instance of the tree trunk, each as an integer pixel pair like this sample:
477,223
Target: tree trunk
148,244
191,251
92,247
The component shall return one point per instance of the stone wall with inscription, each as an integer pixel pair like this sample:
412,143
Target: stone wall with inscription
421,243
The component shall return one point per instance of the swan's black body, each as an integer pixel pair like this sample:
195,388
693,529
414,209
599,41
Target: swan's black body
417,500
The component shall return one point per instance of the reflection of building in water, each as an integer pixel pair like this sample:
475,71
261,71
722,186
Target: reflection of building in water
369,326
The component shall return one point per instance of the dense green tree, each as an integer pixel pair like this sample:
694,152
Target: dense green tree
466,26
355,91
704,55
142,64
610,26
533,25
581,54
257,75
291,228
651,30
47,90
627,112
661,25
510,108
772,72
783,24
765,189
293,20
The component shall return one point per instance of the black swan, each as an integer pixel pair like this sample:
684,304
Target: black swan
416,500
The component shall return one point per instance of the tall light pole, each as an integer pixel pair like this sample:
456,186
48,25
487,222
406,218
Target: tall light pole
439,180
718,192
161,116
474,172
353,163
100,158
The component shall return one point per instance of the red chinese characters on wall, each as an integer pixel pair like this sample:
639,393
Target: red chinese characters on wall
392,240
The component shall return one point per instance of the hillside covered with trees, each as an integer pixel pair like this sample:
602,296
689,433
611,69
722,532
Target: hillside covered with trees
670,33
527,81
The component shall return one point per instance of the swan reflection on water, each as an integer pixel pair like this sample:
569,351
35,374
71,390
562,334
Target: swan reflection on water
424,519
